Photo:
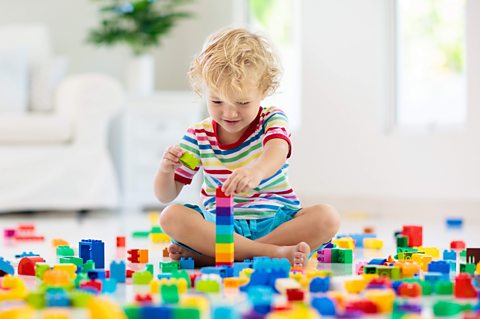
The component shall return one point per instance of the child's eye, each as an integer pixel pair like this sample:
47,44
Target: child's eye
216,102
243,103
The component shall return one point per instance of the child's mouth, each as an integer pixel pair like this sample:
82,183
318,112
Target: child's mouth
230,122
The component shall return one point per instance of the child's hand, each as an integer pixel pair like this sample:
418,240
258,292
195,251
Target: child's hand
171,159
242,180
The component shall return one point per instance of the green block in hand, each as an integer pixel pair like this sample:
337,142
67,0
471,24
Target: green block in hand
189,160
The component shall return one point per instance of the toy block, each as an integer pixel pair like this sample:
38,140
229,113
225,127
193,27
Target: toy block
225,312
367,307
92,285
117,271
345,256
56,278
378,261
388,271
449,254
372,243
223,211
121,242
402,241
224,248
232,283
92,249
224,220
295,294
457,245
77,261
186,313
325,306
187,263
282,284
224,238
464,287
189,160
159,238
432,251
433,277
370,269
143,299
57,299
64,251
414,234
143,256
26,266
165,252
142,278
154,311
169,293
324,255
140,234
40,269
344,242
473,255
383,298
224,201
6,267
89,265
25,254
169,266
207,285
96,274
440,266
149,268
36,299
132,255
356,285
467,268
9,233
224,230
68,268
410,290
443,287
454,222
182,274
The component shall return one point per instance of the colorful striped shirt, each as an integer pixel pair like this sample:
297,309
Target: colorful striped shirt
218,161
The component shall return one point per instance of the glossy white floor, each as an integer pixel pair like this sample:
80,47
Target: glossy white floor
107,225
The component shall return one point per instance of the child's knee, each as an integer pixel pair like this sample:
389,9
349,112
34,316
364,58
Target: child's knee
328,219
169,217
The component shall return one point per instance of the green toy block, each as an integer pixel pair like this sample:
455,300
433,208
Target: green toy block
427,288
189,160
463,253
345,256
65,251
149,268
169,266
132,311
142,277
402,241
186,313
389,271
36,299
80,298
40,269
407,255
80,277
140,234
224,239
406,250
77,261
468,268
207,285
446,308
443,287
156,230
182,274
89,265
335,253
169,293
370,269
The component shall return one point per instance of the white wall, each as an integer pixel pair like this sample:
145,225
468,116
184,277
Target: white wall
69,21
341,149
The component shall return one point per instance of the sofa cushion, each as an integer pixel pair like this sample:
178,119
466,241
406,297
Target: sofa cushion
13,79
35,128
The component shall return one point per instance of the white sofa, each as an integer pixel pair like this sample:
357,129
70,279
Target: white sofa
59,160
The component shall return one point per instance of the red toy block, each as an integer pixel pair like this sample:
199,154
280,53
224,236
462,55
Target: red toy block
194,277
92,284
130,273
464,287
414,234
457,245
295,294
26,227
410,289
133,255
165,252
26,266
365,306
121,241
220,193
107,274
143,299
29,237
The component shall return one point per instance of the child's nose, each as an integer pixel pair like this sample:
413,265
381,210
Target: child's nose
230,112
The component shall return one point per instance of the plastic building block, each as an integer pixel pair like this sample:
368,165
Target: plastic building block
138,256
449,254
169,266
142,278
96,274
432,251
356,285
324,305
362,306
369,230
444,308
121,241
70,269
319,284
454,222
5,267
344,256
414,234
440,266
57,299
143,299
92,249
443,287
402,241
373,243
182,274
383,298
155,311
225,312
467,268
12,288
77,261
92,285
9,233
65,251
295,294
324,255
464,287
207,285
187,263
473,255
59,242
344,242
102,307
25,254
186,313
410,290
458,245
370,269
26,266
56,278
389,271
378,261
189,160
224,247
159,238
117,271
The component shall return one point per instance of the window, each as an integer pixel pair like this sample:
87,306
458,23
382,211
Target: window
430,63
278,20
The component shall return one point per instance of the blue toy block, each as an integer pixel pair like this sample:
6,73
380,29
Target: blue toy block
225,312
454,222
224,229
154,312
222,271
96,274
377,261
260,295
92,249
239,266
25,254
224,220
109,286
57,299
6,267
449,254
324,305
166,275
433,277
358,238
440,266
269,263
319,284
118,271
396,285
187,263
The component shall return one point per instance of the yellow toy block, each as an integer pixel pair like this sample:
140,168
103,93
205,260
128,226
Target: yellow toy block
181,283
432,251
103,307
298,311
372,243
355,286
245,273
313,273
12,288
53,313
383,298
234,282
154,218
57,278
369,277
17,312
477,270
425,260
282,284
300,278
68,268
339,297
159,238
344,242
199,302
224,248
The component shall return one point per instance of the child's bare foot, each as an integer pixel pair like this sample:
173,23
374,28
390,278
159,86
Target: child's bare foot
176,252
297,255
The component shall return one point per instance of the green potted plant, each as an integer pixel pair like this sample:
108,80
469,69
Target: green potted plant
140,25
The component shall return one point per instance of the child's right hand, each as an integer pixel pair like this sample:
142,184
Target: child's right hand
171,159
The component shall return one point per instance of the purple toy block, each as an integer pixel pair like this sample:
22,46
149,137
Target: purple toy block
224,211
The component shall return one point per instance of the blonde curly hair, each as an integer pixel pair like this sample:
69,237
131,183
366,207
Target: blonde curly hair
231,58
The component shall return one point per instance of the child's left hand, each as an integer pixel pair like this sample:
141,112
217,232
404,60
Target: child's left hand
241,180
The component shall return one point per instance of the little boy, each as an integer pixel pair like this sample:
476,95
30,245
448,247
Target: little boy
243,148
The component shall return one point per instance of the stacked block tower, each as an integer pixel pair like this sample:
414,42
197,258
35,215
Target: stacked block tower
224,229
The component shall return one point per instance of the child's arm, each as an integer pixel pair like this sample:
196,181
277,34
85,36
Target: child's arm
274,154
165,186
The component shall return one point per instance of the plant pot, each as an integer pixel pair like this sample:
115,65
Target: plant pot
140,75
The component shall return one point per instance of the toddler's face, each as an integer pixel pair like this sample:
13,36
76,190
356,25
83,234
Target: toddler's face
234,116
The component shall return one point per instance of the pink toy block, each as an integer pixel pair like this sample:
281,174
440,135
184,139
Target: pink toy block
324,256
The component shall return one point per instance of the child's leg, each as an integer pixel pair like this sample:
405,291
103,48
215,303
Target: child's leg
187,226
314,225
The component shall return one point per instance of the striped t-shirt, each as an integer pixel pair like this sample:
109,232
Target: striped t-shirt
218,161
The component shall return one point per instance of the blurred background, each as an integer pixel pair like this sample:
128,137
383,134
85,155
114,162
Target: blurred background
383,98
